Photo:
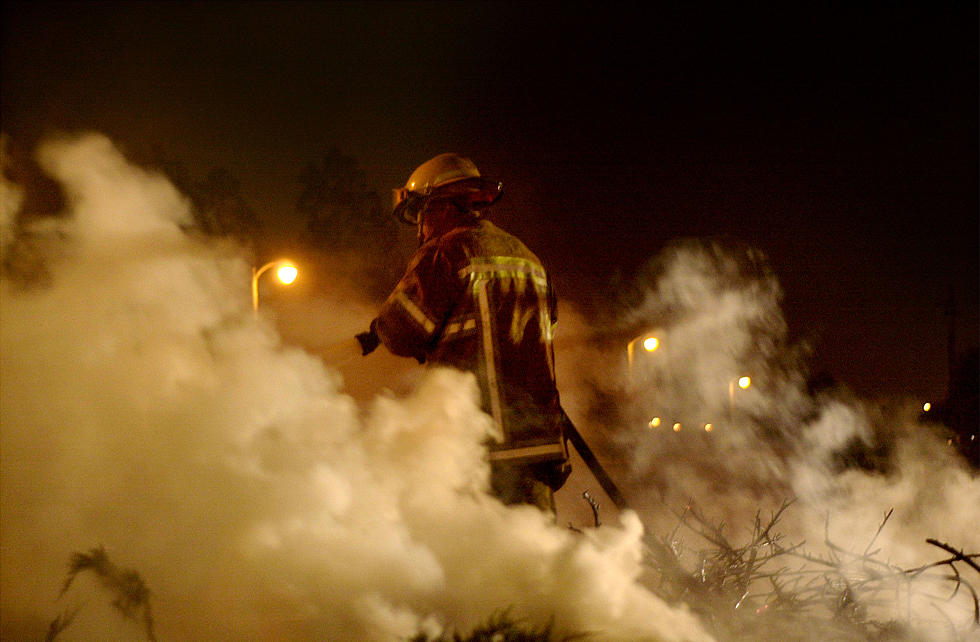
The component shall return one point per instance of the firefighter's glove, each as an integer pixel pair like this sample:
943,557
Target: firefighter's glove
369,341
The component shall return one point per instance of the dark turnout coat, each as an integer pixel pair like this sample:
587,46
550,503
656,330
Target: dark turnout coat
478,300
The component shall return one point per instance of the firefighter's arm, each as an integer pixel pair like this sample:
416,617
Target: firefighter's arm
369,340
413,315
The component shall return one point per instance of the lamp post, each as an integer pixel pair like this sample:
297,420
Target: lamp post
286,273
647,341
742,382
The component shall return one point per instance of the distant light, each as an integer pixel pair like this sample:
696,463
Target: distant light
708,427
744,382
926,407
655,422
287,273
650,344
677,427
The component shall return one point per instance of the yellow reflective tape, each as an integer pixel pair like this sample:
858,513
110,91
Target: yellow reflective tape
415,312
505,266
488,355
528,452
458,326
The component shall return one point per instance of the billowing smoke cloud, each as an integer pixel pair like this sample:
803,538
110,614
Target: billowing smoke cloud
11,197
261,493
698,451
146,411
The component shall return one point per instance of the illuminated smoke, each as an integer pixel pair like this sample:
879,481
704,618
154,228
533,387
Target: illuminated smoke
146,411
715,311
263,495
11,197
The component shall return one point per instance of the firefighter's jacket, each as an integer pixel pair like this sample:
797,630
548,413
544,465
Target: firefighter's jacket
478,300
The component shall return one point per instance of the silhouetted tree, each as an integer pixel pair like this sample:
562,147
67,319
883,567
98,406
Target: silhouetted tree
345,217
220,208
29,195
341,211
961,409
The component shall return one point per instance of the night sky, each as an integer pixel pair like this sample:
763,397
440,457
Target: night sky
839,140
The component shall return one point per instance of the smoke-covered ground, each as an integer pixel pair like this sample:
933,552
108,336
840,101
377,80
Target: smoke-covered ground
264,487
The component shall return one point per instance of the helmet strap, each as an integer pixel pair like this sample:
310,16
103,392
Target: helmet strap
442,219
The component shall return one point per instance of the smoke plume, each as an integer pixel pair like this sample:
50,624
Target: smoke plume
255,483
150,417
705,461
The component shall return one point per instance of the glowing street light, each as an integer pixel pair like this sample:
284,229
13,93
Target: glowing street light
286,272
647,341
742,382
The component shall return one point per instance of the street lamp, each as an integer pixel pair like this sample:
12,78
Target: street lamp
286,272
647,341
742,382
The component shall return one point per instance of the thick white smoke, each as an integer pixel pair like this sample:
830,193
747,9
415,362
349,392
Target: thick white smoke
147,411
715,310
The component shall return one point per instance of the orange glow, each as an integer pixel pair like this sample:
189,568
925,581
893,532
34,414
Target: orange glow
287,273
655,422
650,344
677,427
926,407
708,427
744,382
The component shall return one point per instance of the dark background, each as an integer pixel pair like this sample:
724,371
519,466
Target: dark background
840,140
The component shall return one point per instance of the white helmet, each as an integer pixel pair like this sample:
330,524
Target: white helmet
445,176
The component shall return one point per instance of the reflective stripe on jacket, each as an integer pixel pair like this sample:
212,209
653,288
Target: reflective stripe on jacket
478,300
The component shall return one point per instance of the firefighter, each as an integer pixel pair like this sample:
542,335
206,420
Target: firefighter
477,299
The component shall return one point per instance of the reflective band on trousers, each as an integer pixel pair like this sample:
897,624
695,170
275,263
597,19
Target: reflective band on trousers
542,451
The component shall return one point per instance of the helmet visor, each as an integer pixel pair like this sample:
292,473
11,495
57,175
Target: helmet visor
469,194
472,194
407,205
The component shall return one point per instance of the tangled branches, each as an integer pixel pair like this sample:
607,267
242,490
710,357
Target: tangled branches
131,597
782,590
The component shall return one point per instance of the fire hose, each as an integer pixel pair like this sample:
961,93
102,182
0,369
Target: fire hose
575,437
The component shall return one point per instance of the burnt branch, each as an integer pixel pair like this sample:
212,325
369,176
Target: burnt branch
743,589
131,597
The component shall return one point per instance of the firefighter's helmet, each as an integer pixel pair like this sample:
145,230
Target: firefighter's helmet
445,176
